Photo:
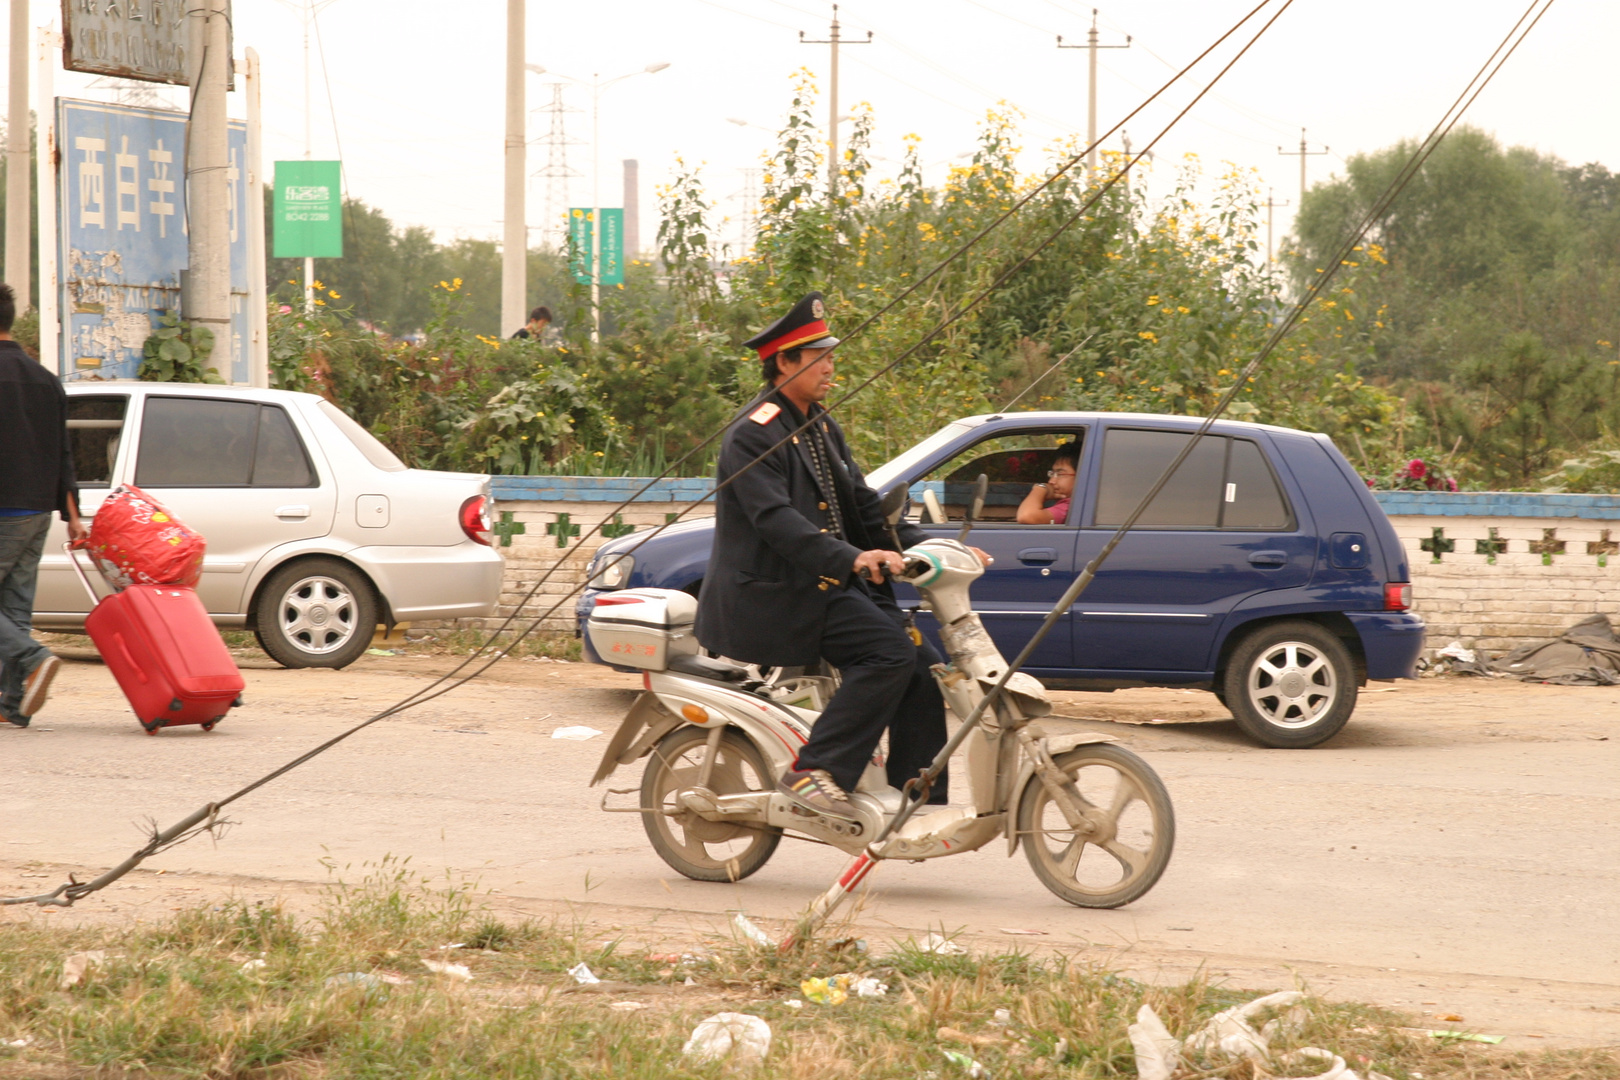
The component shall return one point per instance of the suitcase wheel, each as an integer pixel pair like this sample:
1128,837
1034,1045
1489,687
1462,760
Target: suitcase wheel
176,705
209,725
237,704
153,728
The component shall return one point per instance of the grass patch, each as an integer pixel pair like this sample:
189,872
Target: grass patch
246,991
552,644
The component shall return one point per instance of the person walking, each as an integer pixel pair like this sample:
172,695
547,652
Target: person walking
37,479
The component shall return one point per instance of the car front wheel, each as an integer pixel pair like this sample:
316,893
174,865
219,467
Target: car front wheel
316,613
1291,685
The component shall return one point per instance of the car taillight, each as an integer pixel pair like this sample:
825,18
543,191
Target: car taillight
1397,595
475,520
609,601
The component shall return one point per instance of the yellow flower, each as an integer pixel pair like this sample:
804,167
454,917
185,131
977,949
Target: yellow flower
1148,335
1152,300
334,295
1184,311
1223,371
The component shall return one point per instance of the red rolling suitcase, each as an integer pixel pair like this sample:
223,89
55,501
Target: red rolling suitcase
165,653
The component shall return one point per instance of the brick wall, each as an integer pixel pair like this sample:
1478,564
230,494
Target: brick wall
1512,567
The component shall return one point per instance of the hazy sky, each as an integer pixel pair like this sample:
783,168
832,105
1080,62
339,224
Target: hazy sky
417,99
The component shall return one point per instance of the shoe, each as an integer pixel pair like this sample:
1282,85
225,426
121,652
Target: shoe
17,721
816,790
37,686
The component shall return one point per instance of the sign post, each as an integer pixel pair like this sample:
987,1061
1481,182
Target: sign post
308,215
580,241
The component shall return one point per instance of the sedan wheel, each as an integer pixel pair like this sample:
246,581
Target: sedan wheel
1291,685
316,613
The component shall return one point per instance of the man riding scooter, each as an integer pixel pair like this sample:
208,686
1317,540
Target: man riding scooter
798,574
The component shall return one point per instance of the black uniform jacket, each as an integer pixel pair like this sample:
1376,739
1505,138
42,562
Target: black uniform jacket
776,561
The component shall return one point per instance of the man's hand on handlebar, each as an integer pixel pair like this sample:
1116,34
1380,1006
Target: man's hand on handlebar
872,565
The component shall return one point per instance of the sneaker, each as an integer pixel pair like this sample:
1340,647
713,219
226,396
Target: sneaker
37,686
816,790
17,721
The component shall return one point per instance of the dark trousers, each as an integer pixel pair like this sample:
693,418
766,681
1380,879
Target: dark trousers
886,684
22,541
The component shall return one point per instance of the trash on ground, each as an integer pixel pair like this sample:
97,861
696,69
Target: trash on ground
1460,1036
1450,1018
1027,933
627,1006
381,652
1002,1018
689,981
973,1068
1586,654
950,1034
354,978
793,1003
1455,651
78,965
1158,1053
1336,1070
253,965
16,1044
940,945
1228,1033
748,930
742,1038
824,991
575,733
455,971
583,974
869,987
850,942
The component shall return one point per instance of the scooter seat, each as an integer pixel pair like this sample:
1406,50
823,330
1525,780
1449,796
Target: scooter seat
704,668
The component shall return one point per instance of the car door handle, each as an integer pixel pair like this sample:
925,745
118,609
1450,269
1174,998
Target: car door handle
1268,558
292,511
1038,556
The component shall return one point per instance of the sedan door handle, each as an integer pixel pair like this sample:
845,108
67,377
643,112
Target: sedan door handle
292,511
1038,556
1269,558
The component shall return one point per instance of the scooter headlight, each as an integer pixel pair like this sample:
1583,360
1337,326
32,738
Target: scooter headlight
612,571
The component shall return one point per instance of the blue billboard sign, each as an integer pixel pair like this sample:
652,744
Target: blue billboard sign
122,235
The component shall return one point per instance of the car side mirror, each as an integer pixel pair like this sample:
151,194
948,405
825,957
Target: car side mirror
975,507
893,503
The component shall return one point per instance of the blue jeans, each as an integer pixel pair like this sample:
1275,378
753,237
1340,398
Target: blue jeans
22,539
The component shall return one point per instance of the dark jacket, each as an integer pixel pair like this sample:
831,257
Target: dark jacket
36,461
774,563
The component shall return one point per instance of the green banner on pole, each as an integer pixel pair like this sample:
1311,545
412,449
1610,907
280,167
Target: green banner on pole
579,245
308,210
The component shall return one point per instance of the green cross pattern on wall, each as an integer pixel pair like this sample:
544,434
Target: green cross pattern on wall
617,528
506,528
562,529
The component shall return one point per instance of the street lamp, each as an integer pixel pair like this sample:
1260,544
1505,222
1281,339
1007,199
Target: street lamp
597,84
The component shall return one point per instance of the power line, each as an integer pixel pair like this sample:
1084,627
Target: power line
1302,153
556,172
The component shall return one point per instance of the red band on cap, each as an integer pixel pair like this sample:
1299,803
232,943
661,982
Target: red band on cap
811,331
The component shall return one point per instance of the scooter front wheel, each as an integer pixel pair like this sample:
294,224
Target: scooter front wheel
694,846
1124,844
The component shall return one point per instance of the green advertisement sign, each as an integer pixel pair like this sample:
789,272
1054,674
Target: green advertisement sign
579,244
308,210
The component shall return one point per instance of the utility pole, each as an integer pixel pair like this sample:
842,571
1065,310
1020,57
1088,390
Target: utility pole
1271,206
207,296
515,234
1302,153
632,208
258,289
834,40
1091,99
18,213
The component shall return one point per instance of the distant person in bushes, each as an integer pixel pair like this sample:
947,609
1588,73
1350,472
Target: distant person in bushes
1059,486
535,328
36,479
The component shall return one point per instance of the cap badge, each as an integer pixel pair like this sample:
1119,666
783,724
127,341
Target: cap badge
818,309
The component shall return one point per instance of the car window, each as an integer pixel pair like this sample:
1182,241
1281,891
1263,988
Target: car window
1013,464
95,430
208,442
364,441
1131,464
1251,498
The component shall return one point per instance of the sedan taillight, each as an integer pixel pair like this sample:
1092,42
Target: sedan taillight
1397,595
475,520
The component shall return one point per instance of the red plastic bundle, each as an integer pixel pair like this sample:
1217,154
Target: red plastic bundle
136,541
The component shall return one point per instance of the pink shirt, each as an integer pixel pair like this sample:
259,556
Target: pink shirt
1059,511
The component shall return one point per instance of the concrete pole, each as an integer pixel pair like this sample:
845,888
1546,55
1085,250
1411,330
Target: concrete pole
207,299
596,208
1091,98
258,291
309,150
632,208
515,234
47,57
18,202
832,117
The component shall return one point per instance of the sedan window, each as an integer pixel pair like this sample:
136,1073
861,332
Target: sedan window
1132,462
1251,498
207,442
95,428
1012,463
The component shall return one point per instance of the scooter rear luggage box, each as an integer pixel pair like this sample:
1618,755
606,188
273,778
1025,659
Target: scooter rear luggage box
643,628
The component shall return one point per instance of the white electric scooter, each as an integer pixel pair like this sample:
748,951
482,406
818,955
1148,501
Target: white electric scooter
1094,819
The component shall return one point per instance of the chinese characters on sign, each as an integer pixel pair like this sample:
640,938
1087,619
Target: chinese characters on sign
308,210
579,244
132,39
122,230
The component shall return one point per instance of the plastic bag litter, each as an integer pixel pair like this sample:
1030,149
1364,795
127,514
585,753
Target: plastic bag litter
1158,1053
941,946
78,965
583,974
1230,1034
253,965
1455,651
1002,1018
16,1044
575,733
627,1006
353,978
824,991
455,971
974,1070
1338,1070
748,930
741,1037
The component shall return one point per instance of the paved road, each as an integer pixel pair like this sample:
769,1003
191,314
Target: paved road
1457,848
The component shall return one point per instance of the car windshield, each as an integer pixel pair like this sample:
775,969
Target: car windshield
892,470
364,441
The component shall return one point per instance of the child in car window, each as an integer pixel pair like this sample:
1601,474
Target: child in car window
1059,486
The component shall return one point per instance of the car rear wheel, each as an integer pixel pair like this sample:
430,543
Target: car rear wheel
316,613
1291,685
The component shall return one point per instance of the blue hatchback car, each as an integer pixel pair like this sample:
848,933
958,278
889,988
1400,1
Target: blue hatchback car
1264,571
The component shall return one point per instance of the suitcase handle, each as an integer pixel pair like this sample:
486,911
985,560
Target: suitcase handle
73,557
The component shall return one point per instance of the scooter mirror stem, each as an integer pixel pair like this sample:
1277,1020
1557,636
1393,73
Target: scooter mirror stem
975,508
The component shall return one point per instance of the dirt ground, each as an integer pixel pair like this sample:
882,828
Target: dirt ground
1454,852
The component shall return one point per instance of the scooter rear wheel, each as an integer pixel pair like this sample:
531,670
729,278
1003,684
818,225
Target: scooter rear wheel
700,849
1131,828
